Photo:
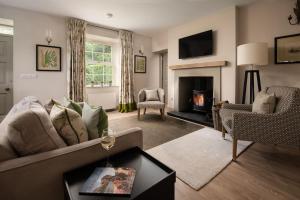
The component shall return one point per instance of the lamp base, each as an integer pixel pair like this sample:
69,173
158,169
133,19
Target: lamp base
251,73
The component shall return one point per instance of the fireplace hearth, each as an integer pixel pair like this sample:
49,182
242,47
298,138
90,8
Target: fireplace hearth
195,100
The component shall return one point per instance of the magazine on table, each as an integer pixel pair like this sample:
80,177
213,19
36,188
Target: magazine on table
109,181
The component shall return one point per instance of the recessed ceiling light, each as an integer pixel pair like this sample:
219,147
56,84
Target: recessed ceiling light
109,15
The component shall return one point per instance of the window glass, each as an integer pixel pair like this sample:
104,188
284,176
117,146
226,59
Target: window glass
99,67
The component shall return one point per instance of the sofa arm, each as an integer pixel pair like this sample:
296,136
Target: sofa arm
275,128
40,176
245,107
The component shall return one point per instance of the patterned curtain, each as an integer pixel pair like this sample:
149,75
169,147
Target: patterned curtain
76,59
126,102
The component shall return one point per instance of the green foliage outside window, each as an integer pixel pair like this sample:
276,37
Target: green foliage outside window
99,67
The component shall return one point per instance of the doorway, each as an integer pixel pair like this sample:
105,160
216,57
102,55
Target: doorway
6,66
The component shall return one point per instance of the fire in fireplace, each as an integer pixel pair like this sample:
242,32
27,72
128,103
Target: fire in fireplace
202,100
198,99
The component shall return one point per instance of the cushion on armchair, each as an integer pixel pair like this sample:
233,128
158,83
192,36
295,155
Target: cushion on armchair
264,103
152,95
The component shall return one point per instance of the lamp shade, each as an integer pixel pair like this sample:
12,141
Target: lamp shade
252,54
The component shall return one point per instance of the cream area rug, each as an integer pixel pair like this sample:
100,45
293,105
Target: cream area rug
197,157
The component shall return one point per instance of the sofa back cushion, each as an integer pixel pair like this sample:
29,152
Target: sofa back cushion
69,125
6,150
30,131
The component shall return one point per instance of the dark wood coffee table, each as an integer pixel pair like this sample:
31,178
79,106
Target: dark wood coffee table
153,179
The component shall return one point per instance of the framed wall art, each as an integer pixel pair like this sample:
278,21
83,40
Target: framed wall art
48,58
287,49
140,64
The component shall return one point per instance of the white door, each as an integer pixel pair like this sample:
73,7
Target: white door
6,75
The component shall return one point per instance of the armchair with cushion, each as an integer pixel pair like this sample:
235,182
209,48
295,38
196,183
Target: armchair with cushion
154,99
281,127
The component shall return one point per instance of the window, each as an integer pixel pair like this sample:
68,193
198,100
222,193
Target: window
98,61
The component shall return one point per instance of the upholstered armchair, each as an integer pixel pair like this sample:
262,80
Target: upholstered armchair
281,127
158,103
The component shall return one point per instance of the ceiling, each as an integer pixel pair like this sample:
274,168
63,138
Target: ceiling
142,16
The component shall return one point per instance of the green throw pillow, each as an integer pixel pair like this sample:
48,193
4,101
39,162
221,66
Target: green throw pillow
69,125
73,105
95,120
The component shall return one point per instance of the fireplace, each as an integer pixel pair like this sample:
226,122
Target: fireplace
195,94
195,99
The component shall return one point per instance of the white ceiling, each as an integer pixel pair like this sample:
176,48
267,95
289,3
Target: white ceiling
142,16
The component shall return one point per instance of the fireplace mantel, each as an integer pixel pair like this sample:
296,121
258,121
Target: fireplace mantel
199,65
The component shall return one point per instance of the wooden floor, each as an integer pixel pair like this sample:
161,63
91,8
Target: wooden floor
261,172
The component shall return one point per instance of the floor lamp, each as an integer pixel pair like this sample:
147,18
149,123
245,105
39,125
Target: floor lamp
253,54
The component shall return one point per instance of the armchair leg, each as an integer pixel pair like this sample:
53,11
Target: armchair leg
234,149
139,113
162,113
223,132
145,111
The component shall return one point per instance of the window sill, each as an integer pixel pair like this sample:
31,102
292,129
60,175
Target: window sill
99,87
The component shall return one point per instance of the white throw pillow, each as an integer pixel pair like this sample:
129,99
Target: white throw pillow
151,95
264,103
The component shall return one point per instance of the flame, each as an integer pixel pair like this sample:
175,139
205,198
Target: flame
199,99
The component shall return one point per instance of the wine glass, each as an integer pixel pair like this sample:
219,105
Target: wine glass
108,140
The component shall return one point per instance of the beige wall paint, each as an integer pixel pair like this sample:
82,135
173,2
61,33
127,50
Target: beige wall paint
160,41
150,79
30,29
262,22
223,24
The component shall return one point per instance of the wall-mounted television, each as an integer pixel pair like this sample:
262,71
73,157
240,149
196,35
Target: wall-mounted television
200,44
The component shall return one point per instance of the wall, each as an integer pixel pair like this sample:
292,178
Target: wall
223,24
262,22
30,29
151,78
160,41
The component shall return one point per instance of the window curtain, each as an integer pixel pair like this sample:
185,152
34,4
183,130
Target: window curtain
76,58
126,100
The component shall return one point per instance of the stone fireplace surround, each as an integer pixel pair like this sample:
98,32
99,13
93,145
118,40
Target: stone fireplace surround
214,72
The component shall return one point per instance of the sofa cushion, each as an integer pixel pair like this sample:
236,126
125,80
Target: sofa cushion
151,104
6,150
73,105
69,125
48,106
151,95
264,103
31,131
95,120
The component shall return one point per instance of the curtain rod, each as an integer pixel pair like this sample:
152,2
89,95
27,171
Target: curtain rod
103,27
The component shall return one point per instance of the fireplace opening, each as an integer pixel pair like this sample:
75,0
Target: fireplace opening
195,99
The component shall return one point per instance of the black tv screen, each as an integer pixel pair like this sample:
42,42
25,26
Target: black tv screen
200,44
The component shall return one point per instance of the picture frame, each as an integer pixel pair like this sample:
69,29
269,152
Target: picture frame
48,58
287,49
140,64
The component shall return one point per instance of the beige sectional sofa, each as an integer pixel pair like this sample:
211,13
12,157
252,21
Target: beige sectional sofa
40,175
